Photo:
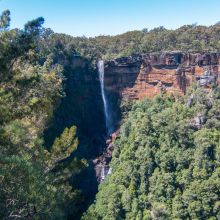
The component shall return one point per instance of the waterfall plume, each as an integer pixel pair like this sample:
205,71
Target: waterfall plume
101,71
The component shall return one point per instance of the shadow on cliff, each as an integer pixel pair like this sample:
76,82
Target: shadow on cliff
82,106
120,75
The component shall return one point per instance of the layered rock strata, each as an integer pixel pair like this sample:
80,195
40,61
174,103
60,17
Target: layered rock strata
145,76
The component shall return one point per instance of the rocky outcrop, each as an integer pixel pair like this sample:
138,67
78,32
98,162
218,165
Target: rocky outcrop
101,163
145,76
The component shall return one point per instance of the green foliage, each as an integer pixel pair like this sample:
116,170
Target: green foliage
164,165
5,20
60,161
34,182
66,144
34,26
188,38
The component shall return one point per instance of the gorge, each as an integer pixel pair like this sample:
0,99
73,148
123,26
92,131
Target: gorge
145,76
105,88
109,127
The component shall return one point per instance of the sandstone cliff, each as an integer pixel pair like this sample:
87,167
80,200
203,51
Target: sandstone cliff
147,75
144,76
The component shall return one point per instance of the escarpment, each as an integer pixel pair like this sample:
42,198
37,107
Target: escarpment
132,78
145,76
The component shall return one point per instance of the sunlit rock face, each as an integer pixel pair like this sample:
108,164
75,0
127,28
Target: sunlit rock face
145,76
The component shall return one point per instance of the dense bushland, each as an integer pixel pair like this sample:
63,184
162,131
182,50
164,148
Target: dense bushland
166,162
188,38
34,181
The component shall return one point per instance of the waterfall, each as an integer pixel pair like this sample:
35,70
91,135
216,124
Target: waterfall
106,111
103,173
106,170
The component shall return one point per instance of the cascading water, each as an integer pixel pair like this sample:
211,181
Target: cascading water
106,111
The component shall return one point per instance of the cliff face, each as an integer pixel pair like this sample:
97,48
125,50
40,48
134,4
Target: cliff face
81,105
144,76
147,75
132,78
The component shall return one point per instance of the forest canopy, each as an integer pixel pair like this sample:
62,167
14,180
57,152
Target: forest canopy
188,38
166,163
34,180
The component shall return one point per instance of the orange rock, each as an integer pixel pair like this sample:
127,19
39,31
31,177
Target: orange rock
145,76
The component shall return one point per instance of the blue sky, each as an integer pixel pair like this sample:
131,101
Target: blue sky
110,17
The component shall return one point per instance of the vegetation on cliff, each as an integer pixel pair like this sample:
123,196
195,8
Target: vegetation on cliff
166,162
188,38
